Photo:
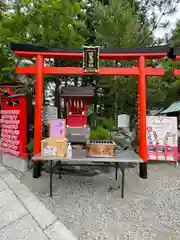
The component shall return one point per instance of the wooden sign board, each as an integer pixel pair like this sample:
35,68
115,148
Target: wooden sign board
91,59
13,126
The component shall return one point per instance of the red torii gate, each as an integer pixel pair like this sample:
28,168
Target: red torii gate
176,57
139,54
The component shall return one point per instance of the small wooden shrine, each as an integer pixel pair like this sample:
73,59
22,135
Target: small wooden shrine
76,101
6,88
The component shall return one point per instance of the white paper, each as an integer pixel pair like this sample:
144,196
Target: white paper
50,151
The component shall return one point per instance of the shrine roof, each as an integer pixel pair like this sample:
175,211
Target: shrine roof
10,84
77,92
16,95
32,48
174,107
29,51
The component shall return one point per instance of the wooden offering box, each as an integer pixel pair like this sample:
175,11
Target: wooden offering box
54,147
100,148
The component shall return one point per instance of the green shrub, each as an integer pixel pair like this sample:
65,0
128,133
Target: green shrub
100,133
108,124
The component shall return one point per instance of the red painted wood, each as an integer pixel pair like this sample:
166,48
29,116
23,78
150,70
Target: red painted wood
176,72
102,56
142,109
39,89
10,137
75,56
177,58
149,71
79,71
76,120
76,113
31,70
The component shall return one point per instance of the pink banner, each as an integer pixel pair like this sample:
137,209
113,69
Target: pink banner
57,128
162,139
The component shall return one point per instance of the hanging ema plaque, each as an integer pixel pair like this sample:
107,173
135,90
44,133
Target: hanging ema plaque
91,59
13,124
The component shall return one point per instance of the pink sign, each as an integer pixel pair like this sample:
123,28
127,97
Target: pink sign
162,139
57,128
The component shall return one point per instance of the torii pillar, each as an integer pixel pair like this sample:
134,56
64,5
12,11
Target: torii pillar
39,89
142,116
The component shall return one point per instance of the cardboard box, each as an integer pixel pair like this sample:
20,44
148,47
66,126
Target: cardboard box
54,147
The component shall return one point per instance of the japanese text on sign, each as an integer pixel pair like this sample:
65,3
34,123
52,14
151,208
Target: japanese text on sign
162,138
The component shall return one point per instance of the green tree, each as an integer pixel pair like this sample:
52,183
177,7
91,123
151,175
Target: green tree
5,55
66,23
48,23
156,12
175,38
124,25
165,90
119,26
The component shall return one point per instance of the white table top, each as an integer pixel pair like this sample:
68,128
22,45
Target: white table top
127,156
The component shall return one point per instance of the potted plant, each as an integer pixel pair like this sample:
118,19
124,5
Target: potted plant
108,124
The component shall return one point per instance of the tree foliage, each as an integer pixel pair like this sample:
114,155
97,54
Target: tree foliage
46,23
156,12
175,38
162,91
119,25
135,31
107,23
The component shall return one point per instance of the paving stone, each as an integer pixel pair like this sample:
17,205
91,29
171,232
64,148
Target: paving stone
24,229
3,185
10,208
43,216
57,231
8,177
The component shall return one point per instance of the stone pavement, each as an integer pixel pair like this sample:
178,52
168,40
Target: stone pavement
23,216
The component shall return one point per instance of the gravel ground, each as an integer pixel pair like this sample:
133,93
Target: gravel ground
149,211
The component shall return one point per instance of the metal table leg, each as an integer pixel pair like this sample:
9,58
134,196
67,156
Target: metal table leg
122,180
60,169
116,171
36,169
51,175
